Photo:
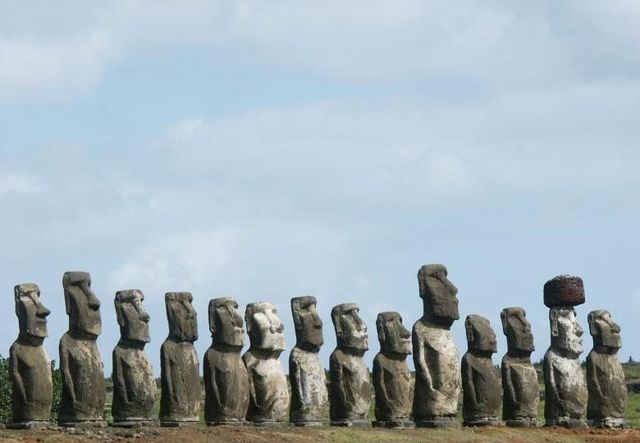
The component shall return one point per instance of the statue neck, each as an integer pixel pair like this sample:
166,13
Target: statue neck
131,344
30,340
223,347
82,335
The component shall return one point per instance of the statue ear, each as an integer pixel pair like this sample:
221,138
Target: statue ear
469,329
67,301
503,319
553,320
591,319
119,314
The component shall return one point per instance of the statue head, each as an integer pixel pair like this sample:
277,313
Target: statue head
605,332
394,338
265,329
480,335
132,318
307,323
438,295
351,332
32,314
225,322
518,331
183,321
82,305
566,333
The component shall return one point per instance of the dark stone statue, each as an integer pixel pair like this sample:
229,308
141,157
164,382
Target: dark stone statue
436,358
83,387
480,378
134,386
350,381
519,377
30,368
179,366
605,378
309,397
226,382
391,375
268,389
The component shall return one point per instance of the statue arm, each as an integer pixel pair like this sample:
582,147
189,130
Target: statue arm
378,380
212,382
66,374
118,378
165,369
420,360
592,376
337,381
295,374
468,384
551,388
507,383
18,385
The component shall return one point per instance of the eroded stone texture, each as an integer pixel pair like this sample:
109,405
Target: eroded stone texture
30,368
226,382
134,386
309,395
519,377
83,387
480,378
179,365
391,375
436,358
350,380
605,379
268,389
563,290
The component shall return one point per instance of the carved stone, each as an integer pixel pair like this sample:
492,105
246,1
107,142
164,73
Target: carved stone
179,365
563,290
435,356
30,368
605,378
226,382
391,375
480,378
268,389
83,386
134,386
350,380
519,377
309,396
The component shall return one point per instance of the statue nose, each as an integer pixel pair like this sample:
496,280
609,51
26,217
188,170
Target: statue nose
145,317
42,312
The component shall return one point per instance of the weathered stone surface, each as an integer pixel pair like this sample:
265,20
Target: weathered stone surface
179,366
83,387
564,378
268,389
226,382
435,356
134,386
605,379
350,380
519,377
309,396
564,290
30,368
391,375
480,378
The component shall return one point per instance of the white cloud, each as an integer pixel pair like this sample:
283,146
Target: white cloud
21,183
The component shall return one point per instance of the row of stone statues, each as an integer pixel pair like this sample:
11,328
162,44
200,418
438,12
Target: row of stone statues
253,387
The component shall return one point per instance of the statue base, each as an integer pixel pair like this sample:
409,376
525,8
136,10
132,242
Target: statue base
83,424
134,423
566,422
522,423
177,423
609,422
397,424
268,424
351,423
307,424
226,422
36,424
438,422
481,421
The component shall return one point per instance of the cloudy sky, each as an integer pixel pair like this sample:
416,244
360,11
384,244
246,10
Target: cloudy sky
264,150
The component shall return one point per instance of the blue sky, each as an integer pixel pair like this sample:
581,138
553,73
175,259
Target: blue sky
264,150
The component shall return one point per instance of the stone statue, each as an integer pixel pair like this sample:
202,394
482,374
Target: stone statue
83,387
268,389
134,386
436,358
179,366
309,397
391,375
480,378
30,368
605,378
350,381
519,377
226,382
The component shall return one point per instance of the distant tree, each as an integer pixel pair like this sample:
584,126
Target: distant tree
631,360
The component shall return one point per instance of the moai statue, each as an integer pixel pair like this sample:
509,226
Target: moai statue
226,382
83,387
30,368
134,386
309,396
519,377
605,378
436,358
391,375
482,396
564,378
179,366
268,389
350,381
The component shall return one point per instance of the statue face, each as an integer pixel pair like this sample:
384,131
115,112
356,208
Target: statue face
32,315
438,294
225,322
83,307
307,323
480,335
183,322
132,318
393,336
351,332
265,329
566,333
604,330
518,330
